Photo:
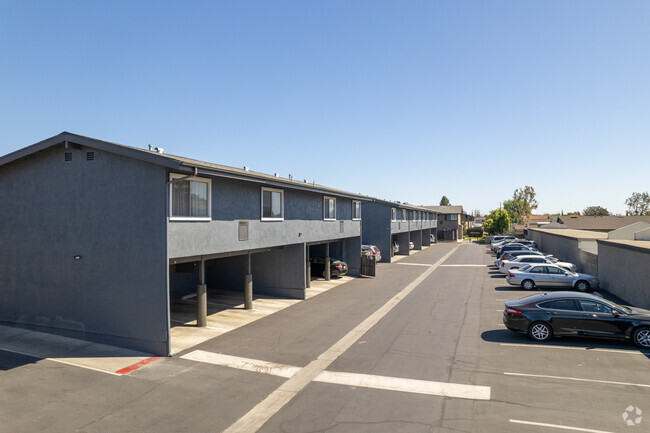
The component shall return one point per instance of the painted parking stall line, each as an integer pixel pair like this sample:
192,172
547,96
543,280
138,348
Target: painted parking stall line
556,426
588,349
386,383
274,402
463,265
577,379
415,264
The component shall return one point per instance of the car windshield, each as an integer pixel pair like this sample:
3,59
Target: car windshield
525,268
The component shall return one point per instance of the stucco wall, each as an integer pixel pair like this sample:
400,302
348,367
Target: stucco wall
624,271
234,201
376,227
107,211
566,249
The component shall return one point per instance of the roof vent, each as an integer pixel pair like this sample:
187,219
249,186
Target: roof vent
306,181
247,168
68,156
277,175
160,150
150,147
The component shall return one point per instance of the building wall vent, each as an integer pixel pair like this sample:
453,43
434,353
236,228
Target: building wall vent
68,156
90,156
243,230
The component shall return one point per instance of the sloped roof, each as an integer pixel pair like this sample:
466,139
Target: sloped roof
446,209
605,223
577,234
175,162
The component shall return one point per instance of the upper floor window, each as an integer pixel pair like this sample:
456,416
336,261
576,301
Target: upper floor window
329,208
451,217
356,210
403,215
393,214
272,204
190,198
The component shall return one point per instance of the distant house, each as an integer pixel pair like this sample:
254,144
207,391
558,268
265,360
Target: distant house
450,221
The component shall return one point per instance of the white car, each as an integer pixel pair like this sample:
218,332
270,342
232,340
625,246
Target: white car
520,261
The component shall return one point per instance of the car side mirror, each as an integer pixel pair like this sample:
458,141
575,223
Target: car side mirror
615,313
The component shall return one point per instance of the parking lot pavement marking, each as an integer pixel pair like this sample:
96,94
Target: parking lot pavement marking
415,386
240,363
577,379
562,427
416,264
386,383
137,365
590,349
254,419
460,266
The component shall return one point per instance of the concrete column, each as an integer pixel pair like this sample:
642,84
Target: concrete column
202,298
327,261
248,285
307,268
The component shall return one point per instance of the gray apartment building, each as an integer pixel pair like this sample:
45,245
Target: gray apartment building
450,222
386,222
97,238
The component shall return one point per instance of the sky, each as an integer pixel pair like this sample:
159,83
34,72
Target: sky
401,100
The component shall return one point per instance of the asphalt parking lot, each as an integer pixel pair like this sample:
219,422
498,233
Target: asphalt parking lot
420,348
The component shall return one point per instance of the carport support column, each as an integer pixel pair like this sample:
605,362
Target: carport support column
327,261
307,268
248,285
201,298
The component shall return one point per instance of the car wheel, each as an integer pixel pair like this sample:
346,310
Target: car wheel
582,285
528,284
641,337
540,331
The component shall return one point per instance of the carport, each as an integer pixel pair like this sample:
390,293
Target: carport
270,271
347,250
416,238
402,240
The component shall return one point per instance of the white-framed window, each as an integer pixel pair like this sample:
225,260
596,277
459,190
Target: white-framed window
190,199
393,214
272,204
451,217
329,208
356,210
403,215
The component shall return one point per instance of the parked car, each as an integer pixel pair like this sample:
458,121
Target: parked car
547,315
518,262
395,248
411,246
500,238
433,238
337,267
498,245
531,276
513,247
509,255
371,250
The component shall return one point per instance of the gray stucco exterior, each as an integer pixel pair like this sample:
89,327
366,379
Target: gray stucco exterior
623,270
106,211
580,251
381,229
94,254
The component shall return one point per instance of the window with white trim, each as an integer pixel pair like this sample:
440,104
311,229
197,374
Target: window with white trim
393,214
403,215
189,198
329,208
356,210
272,204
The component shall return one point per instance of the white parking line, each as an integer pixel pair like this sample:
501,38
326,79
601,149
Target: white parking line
61,361
254,419
609,382
590,349
416,264
452,266
562,427
387,383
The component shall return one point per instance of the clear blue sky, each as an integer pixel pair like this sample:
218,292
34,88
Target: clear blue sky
403,100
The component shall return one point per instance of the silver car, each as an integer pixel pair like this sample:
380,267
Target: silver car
531,276
518,262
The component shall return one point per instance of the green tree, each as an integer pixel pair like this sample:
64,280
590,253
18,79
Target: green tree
500,220
513,207
573,213
525,200
595,211
487,225
638,203
444,201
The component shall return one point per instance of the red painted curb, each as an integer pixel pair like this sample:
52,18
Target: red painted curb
130,368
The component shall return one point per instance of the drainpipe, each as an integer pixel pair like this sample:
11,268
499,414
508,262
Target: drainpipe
196,172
